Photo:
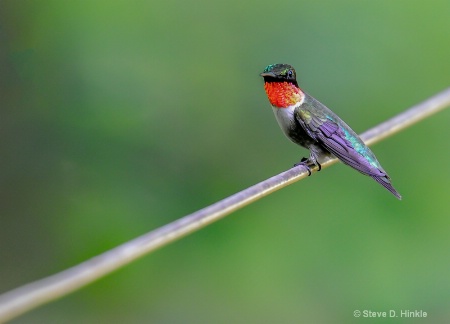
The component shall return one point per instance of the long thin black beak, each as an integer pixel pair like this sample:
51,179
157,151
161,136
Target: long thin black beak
268,74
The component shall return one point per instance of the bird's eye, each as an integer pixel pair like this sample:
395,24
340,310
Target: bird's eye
290,74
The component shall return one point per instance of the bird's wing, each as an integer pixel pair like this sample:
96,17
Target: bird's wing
323,126
348,148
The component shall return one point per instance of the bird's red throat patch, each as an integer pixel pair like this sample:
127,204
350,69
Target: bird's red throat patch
283,94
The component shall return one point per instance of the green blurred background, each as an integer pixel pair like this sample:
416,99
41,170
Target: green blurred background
118,117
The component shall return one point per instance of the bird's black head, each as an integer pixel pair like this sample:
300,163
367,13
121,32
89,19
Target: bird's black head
279,73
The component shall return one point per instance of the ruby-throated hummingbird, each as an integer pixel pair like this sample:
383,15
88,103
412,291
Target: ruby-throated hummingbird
308,123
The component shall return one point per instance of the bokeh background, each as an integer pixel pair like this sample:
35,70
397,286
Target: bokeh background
117,117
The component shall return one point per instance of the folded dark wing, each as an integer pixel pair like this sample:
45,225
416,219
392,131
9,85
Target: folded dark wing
323,126
334,140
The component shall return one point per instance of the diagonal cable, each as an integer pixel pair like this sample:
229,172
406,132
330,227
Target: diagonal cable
35,294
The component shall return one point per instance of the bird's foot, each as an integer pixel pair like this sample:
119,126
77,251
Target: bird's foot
305,162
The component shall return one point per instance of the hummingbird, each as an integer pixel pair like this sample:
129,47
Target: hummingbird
309,123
